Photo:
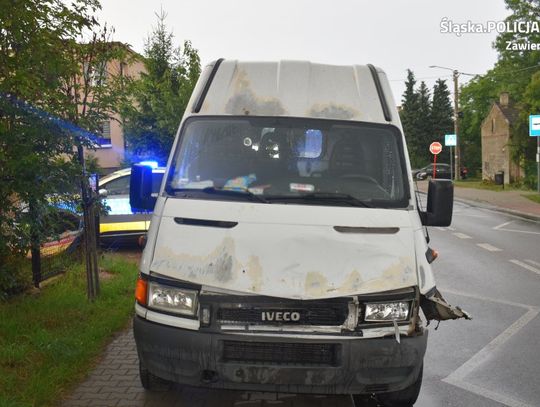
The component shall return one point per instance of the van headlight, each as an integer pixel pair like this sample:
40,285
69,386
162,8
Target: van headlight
172,299
387,311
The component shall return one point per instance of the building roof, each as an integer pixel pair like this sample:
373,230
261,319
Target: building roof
510,112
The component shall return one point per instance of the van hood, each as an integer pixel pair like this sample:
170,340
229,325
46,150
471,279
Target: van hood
288,251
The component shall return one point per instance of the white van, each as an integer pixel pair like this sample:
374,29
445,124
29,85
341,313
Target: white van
286,252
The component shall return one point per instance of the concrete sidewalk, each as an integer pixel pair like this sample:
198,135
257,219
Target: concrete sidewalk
509,201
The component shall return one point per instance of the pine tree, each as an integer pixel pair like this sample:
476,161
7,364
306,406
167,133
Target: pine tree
409,115
161,95
441,111
424,129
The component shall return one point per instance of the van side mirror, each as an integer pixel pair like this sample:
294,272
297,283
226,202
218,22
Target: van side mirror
140,188
440,203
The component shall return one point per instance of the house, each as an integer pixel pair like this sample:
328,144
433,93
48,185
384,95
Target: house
111,145
496,133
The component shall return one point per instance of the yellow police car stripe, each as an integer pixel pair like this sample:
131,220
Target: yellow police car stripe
123,226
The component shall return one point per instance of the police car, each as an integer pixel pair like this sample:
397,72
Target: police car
122,225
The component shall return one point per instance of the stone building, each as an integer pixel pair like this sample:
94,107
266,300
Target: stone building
496,133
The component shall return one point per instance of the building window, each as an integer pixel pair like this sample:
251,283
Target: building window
95,75
493,125
104,138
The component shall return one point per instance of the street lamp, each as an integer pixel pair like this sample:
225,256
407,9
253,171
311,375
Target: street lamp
455,76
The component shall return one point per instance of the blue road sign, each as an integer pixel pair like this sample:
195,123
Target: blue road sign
450,139
534,125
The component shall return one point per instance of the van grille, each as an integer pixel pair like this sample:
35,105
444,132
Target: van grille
319,314
312,354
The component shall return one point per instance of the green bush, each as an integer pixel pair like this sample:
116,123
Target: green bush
16,276
531,175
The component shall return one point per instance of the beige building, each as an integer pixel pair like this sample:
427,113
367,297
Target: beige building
496,140
110,150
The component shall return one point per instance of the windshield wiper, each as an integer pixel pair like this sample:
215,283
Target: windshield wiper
324,197
244,193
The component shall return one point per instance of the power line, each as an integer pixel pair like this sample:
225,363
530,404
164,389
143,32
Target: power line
420,79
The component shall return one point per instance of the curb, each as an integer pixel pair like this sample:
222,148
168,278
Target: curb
485,205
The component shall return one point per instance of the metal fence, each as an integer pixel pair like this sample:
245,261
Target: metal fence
55,256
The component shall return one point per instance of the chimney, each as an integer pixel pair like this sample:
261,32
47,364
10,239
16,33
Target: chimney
504,99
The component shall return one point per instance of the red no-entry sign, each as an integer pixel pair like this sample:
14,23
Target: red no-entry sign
435,147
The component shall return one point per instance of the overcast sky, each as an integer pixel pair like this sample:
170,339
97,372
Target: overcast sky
392,34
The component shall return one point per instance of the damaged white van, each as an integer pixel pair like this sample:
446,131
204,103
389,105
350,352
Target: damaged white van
286,251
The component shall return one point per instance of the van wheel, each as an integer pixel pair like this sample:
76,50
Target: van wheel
151,382
403,398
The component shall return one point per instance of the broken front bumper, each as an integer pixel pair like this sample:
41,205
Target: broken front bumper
280,363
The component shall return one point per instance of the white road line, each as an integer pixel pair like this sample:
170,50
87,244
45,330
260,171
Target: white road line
489,299
502,225
457,377
451,228
534,263
519,231
441,229
488,247
471,215
488,394
525,266
462,235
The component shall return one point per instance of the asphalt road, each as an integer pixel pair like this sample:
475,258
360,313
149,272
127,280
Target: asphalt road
489,264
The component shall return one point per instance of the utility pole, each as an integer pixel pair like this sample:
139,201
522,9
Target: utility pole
457,157
457,171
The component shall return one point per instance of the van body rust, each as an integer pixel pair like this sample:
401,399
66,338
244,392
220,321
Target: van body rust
286,251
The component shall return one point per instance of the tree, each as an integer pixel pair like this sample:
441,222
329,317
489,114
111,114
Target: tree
34,36
512,73
424,128
160,95
409,116
442,111
42,116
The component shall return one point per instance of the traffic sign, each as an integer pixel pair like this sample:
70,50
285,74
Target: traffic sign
435,148
534,125
450,140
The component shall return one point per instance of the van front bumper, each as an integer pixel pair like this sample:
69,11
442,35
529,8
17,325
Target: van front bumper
195,358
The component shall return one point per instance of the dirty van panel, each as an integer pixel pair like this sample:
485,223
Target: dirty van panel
436,308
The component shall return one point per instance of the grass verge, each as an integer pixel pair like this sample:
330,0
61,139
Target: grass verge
484,185
532,197
49,340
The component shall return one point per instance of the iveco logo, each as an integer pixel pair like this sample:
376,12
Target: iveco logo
280,316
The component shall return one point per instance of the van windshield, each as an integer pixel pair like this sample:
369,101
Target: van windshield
289,160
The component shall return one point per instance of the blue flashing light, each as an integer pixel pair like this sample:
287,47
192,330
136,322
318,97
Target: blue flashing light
151,164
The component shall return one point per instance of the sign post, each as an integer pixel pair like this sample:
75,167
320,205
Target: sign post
435,148
534,131
450,140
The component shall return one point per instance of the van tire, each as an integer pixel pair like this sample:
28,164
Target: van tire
152,382
403,398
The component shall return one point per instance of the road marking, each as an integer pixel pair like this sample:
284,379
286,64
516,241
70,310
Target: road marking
502,225
471,215
534,263
456,378
525,266
462,235
441,229
519,231
488,247
451,228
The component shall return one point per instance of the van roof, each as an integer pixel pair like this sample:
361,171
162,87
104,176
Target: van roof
294,89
